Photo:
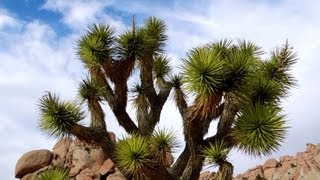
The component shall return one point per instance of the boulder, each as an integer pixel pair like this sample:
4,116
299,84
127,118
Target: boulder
63,143
60,151
106,167
28,177
269,173
270,163
32,161
88,174
80,160
116,176
304,165
97,157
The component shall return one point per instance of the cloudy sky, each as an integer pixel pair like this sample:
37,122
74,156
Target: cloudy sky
37,54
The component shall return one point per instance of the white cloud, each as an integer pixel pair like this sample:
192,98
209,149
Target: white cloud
6,20
79,14
34,61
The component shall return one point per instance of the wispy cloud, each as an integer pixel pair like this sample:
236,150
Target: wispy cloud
6,20
78,14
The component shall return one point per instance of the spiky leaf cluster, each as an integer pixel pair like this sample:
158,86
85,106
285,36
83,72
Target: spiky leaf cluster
132,44
259,129
217,153
140,98
161,67
54,174
238,68
262,90
90,89
134,156
203,71
58,117
97,45
278,67
143,42
161,143
155,30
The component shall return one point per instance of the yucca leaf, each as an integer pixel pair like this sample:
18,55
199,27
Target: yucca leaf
54,174
217,153
222,47
238,69
249,48
203,72
259,129
58,117
260,89
97,45
279,66
140,98
163,140
161,67
155,30
134,157
90,89
92,51
176,81
105,33
132,44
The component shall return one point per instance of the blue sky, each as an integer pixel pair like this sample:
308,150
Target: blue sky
37,54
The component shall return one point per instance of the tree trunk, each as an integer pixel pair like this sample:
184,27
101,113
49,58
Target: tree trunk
97,115
225,171
178,167
193,169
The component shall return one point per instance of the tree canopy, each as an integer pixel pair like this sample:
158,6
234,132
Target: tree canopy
228,81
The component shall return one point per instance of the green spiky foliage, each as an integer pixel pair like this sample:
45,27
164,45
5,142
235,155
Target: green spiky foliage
259,129
97,45
92,93
90,89
58,117
161,67
134,157
217,153
54,174
161,143
278,68
203,71
225,81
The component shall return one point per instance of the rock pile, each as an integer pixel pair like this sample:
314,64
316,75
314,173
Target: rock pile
88,162
85,162
302,166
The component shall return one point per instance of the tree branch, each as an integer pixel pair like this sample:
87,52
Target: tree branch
119,108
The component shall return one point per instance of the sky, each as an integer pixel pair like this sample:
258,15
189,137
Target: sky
38,54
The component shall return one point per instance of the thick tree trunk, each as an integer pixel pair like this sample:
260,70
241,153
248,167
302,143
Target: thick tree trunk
162,174
178,167
225,171
193,169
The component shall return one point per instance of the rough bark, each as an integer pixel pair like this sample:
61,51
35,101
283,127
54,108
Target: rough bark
97,115
119,108
178,167
225,171
193,168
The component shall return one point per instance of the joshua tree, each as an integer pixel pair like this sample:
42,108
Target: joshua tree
225,81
